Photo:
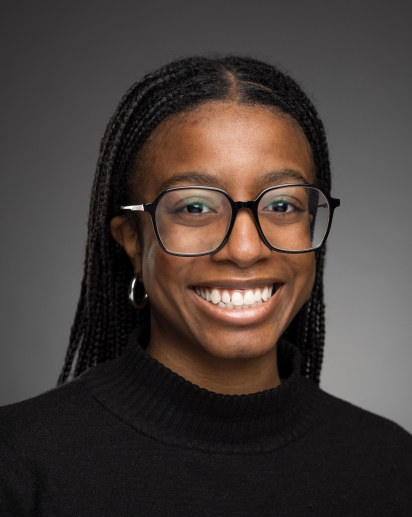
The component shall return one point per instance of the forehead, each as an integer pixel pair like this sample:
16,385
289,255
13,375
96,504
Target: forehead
227,145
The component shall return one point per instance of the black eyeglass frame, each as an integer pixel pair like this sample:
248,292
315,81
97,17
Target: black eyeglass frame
236,206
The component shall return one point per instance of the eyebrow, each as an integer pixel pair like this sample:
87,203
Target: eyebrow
194,178
211,180
282,176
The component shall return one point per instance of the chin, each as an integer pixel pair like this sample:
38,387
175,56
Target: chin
245,344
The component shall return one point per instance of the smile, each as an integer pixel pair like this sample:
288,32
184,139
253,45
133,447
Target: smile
236,298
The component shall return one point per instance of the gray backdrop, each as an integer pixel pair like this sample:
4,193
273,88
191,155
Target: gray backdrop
65,66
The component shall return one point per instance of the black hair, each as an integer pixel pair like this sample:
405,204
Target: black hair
104,317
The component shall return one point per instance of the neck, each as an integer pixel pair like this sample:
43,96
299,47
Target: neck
228,376
160,403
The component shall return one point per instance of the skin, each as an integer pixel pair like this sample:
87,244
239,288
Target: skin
242,150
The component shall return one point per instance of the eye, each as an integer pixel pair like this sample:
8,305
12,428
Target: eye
281,206
192,204
195,207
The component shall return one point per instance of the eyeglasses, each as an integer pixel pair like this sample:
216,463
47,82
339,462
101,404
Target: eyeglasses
194,221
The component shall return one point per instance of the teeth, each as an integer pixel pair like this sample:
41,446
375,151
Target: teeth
215,296
238,299
225,297
249,298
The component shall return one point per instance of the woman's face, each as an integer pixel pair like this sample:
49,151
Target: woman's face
242,150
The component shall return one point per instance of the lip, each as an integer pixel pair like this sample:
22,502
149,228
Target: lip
238,317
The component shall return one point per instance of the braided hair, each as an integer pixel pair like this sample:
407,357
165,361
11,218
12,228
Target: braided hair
104,317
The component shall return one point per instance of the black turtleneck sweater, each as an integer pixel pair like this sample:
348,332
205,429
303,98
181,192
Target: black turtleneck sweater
132,438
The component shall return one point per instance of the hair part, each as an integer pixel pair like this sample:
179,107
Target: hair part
104,317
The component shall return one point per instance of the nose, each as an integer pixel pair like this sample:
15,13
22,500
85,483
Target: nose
244,246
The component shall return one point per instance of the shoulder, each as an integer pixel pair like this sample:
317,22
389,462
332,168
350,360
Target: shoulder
357,433
31,421
44,440
33,435
42,427
28,414
350,416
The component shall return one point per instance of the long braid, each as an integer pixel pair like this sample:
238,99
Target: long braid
104,318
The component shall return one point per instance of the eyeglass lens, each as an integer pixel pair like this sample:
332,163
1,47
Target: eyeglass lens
191,221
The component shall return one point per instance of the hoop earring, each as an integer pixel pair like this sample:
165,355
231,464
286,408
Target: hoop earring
136,302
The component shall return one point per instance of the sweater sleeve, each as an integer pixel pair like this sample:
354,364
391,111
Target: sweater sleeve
399,478
17,485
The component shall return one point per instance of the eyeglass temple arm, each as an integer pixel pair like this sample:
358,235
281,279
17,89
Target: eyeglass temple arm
335,202
135,208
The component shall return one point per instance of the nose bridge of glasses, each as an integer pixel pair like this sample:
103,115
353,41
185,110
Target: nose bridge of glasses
244,204
245,238
248,205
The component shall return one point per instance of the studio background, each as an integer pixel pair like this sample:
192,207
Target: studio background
65,66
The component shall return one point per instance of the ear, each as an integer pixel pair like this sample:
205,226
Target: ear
127,236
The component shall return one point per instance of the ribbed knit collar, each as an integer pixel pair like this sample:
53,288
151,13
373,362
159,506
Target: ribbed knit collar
159,403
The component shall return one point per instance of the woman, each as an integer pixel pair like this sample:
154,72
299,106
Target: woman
200,396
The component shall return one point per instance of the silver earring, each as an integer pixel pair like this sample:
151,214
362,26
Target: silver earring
138,303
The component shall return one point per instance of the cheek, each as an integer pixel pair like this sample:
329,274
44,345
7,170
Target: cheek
161,272
301,270
304,270
152,264
148,253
